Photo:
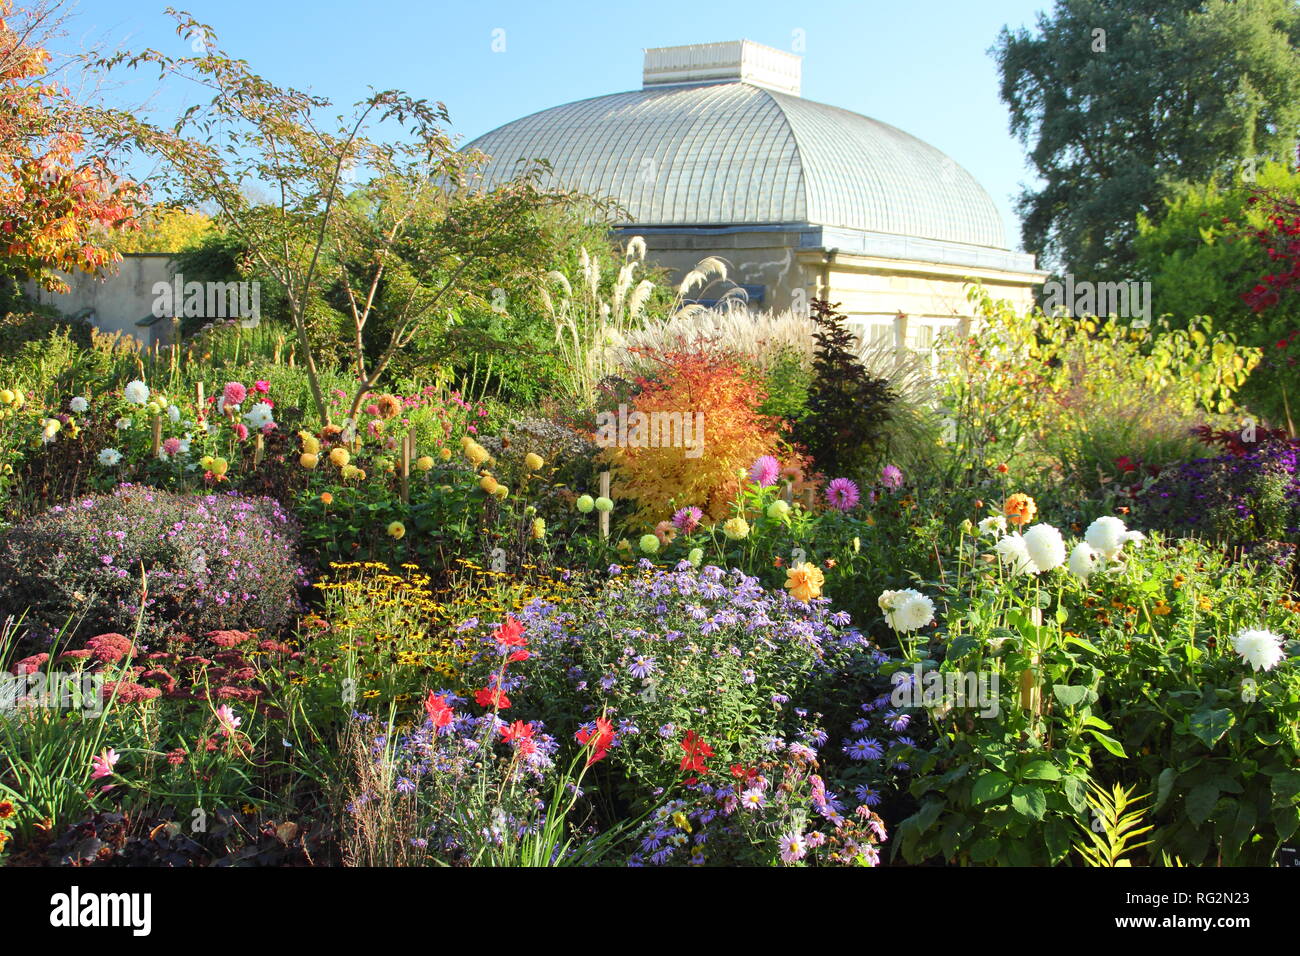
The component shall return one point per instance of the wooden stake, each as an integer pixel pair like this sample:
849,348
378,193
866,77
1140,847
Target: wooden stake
604,515
259,448
199,397
408,449
157,435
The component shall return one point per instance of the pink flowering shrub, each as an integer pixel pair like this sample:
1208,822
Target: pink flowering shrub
194,563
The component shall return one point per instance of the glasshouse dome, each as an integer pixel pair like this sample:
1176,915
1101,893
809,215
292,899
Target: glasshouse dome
718,154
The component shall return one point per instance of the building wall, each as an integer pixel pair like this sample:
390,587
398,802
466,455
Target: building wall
118,301
871,290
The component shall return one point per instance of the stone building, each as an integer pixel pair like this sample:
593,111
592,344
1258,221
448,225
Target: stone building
718,155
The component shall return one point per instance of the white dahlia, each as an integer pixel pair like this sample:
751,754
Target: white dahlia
1108,535
1045,547
137,392
1083,561
1261,649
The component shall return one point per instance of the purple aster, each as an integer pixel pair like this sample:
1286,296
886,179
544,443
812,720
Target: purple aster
765,471
642,666
842,494
864,748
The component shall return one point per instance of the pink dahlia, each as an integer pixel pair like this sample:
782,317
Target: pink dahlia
765,471
234,393
891,477
688,519
842,494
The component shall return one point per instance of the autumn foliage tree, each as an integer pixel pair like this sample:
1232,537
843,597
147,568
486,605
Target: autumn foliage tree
704,470
60,201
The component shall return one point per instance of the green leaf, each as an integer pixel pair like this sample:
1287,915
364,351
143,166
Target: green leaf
1076,793
1041,770
1069,696
1209,726
1110,743
1029,801
1286,787
991,786
1164,786
1200,802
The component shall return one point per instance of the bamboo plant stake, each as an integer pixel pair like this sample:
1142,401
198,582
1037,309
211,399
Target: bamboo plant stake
157,435
604,515
408,451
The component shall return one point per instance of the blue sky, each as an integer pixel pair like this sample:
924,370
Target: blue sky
922,66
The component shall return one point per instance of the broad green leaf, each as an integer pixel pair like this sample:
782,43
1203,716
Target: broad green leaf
1210,725
1069,696
1029,801
1200,802
991,786
1041,770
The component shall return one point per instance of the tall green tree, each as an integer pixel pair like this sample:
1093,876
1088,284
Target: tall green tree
1117,99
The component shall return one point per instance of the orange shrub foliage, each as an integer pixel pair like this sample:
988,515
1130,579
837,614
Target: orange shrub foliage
683,470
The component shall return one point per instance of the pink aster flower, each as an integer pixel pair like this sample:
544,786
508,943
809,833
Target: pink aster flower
793,848
229,722
765,471
101,765
688,519
234,393
891,477
842,494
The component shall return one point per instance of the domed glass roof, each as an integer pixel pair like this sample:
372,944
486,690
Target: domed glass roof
735,153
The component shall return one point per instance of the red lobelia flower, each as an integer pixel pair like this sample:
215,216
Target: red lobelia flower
696,752
436,707
511,634
492,697
600,738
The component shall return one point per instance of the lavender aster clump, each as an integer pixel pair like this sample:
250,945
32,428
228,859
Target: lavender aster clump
213,562
769,683
1239,499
